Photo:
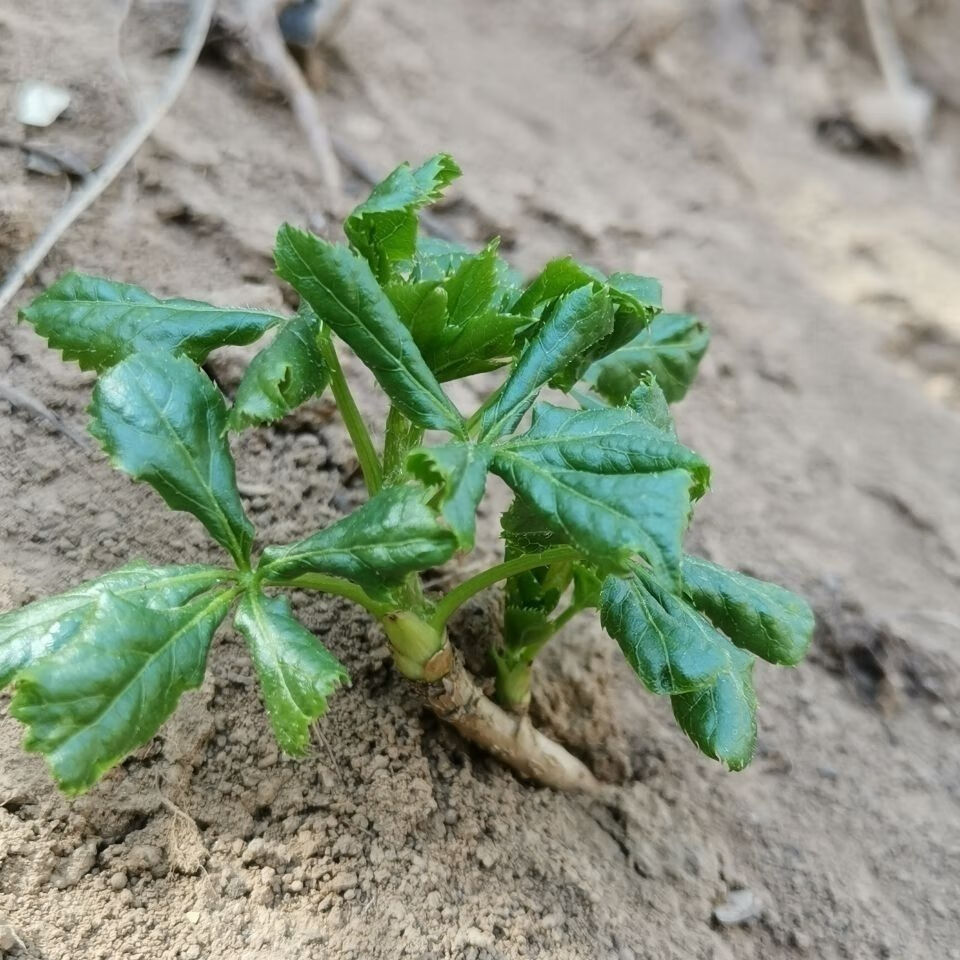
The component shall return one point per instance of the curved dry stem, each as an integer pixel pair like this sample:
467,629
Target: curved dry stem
510,738
119,156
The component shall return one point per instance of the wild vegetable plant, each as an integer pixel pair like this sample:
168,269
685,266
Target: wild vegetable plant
603,492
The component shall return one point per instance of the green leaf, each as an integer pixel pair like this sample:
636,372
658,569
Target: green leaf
384,227
460,471
43,627
648,402
613,440
641,295
481,346
525,529
721,719
672,648
99,322
391,535
297,673
108,691
422,308
456,322
558,278
525,628
670,348
472,288
580,318
587,587
761,617
636,301
436,259
161,420
346,296
607,481
282,375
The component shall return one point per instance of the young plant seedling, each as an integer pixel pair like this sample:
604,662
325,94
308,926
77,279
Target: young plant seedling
603,495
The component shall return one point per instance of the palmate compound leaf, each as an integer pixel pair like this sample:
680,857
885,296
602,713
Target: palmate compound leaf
99,322
670,348
43,627
456,321
345,295
297,673
460,471
384,227
581,317
393,534
284,374
108,691
676,651
161,420
609,482
761,617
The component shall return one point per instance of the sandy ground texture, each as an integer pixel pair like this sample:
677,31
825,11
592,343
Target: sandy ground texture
727,154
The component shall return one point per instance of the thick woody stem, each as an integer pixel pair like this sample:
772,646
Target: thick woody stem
512,739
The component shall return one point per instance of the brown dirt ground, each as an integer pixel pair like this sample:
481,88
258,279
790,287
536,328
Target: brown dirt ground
650,137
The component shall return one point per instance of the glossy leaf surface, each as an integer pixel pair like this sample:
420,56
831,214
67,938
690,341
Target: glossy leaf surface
344,294
161,420
670,348
297,673
284,374
100,322
108,691
721,718
581,318
761,617
672,648
460,471
43,627
607,481
376,546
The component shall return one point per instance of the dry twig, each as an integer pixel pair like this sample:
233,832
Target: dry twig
267,45
895,69
121,155
17,398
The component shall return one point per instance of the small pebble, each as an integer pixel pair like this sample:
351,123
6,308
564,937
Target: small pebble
118,880
741,906
487,854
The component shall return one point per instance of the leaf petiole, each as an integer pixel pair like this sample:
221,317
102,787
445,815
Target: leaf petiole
353,421
339,587
460,594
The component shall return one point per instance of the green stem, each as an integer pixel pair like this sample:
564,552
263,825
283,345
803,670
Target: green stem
460,594
558,623
399,438
366,453
339,587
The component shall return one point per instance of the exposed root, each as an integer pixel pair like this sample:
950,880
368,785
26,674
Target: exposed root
510,738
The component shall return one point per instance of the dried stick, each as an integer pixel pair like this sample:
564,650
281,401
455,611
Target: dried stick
267,45
24,401
893,66
122,154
